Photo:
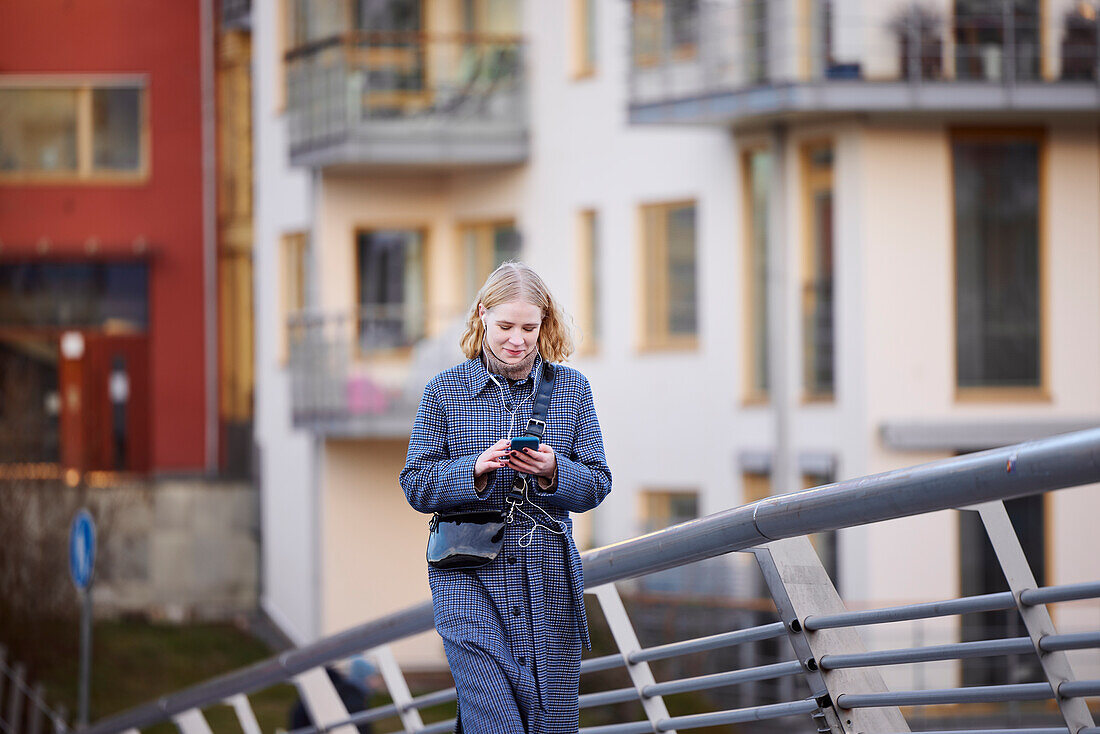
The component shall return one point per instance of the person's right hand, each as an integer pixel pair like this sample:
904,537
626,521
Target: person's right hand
492,458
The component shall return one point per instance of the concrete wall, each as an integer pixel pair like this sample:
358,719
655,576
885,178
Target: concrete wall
177,549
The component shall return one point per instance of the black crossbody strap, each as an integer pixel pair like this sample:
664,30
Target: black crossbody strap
536,426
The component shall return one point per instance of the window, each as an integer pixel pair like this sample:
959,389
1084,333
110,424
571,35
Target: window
293,270
755,486
73,132
757,183
588,257
669,291
997,278
984,32
390,280
817,277
662,509
485,246
663,29
584,38
111,296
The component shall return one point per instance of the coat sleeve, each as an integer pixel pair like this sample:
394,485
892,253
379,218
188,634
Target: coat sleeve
584,478
434,481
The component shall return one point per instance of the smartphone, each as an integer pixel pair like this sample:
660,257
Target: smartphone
525,442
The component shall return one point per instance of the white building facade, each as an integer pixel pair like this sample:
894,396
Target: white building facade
789,256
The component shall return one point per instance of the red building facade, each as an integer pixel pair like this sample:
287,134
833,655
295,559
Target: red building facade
106,235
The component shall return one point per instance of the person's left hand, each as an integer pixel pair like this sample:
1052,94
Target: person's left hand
541,463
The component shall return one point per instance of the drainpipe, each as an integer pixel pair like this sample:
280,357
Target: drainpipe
209,230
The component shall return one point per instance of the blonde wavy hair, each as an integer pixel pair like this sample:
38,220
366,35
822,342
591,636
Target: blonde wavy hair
516,281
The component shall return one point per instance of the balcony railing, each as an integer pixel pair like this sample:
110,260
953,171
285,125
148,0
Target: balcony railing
362,373
732,60
815,673
406,98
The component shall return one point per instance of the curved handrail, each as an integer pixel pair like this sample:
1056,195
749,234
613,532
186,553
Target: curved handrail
1059,462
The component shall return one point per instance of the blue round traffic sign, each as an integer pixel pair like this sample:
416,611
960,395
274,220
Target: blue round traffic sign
82,549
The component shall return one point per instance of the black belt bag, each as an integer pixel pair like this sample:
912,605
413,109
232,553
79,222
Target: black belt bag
460,540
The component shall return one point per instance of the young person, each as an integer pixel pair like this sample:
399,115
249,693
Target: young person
512,628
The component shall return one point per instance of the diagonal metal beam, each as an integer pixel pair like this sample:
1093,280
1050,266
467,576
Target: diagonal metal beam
800,587
1056,667
627,640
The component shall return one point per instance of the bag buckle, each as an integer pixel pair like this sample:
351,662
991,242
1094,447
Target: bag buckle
535,423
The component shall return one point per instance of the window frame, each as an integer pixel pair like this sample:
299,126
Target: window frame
655,337
588,265
751,394
293,251
583,38
483,230
812,182
649,497
86,173
996,393
358,354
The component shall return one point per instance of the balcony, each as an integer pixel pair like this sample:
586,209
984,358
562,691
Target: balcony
407,99
734,63
361,373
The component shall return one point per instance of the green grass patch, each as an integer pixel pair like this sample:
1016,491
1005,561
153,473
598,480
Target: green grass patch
136,662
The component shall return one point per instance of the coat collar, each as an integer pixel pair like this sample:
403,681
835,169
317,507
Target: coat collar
477,377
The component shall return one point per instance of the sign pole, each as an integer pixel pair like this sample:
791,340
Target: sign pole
82,566
85,655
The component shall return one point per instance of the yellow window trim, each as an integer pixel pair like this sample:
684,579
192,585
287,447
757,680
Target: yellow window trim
653,285
587,220
583,67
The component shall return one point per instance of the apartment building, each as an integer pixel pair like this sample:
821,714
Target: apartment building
803,241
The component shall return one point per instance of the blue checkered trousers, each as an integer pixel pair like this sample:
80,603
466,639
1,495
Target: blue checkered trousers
511,629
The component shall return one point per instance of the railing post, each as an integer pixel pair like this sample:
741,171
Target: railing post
3,676
398,688
1008,54
800,587
245,715
627,641
38,698
321,700
191,722
59,725
15,697
1056,667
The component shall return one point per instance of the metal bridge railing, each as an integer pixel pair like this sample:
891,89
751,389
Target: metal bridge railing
23,708
840,686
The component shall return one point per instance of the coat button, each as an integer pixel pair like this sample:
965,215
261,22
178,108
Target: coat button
512,559
521,660
516,611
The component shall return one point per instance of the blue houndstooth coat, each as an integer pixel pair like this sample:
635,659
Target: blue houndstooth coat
511,629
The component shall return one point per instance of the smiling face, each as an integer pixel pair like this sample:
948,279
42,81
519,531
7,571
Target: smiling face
512,330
